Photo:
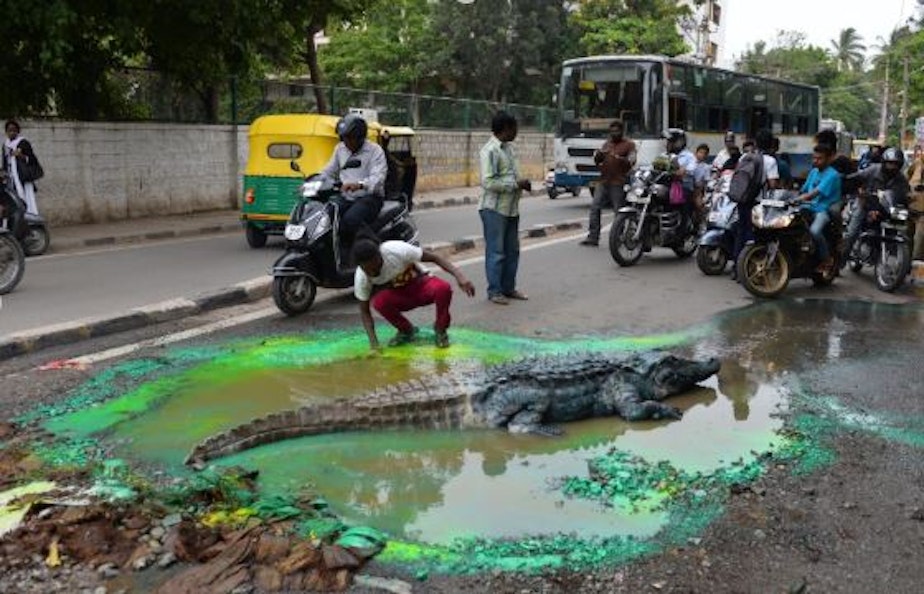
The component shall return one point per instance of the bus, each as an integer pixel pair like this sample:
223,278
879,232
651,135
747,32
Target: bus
653,93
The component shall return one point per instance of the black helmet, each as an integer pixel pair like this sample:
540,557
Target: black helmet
352,126
676,139
893,155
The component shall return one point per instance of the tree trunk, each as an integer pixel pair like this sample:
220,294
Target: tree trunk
311,57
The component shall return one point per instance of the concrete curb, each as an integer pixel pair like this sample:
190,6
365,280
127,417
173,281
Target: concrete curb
36,339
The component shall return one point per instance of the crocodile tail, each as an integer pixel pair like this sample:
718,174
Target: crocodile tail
408,405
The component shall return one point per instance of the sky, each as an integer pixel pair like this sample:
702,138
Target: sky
820,20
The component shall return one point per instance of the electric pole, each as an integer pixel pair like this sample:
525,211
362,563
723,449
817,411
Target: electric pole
884,113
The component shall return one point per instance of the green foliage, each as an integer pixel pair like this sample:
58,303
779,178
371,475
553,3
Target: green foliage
630,26
790,59
849,50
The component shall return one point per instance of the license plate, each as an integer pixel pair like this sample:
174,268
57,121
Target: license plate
294,232
773,203
639,199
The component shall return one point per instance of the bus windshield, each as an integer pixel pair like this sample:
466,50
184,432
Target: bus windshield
593,94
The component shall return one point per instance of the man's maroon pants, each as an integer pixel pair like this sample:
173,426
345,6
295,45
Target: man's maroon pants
421,291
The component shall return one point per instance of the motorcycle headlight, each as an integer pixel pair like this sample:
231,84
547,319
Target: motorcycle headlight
773,220
310,189
294,232
898,214
640,191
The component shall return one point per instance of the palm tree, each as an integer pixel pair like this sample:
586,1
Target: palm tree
849,50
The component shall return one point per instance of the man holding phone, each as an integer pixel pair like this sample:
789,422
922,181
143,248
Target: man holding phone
615,159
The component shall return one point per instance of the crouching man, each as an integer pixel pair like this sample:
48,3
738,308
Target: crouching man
389,276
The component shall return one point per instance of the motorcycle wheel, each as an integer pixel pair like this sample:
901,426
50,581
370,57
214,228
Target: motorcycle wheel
763,278
689,245
576,191
36,242
552,192
294,294
12,264
256,238
624,248
892,267
711,260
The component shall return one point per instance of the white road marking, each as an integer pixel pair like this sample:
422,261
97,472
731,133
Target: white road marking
176,336
253,316
134,245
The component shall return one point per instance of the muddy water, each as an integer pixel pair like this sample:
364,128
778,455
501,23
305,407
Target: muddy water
436,486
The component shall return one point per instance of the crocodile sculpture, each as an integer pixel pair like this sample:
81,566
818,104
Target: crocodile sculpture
524,396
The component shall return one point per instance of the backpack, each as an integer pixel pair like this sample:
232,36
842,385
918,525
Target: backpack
748,179
29,171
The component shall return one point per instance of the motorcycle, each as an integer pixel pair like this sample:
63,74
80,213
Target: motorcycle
554,191
29,229
783,247
884,245
649,220
717,244
12,257
314,254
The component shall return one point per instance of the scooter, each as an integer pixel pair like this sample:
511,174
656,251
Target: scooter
554,191
315,256
12,258
717,244
30,229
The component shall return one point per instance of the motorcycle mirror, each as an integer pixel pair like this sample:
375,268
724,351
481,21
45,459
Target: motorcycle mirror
293,165
352,164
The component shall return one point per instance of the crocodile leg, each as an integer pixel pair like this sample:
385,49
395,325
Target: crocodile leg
628,403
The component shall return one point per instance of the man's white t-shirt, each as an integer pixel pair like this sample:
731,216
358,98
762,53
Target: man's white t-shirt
771,169
400,265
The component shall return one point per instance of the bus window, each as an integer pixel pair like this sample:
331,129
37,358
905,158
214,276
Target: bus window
597,93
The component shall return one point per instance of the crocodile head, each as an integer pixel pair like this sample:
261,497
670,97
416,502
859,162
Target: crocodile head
668,375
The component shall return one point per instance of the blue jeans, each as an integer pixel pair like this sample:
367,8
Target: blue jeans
501,251
818,233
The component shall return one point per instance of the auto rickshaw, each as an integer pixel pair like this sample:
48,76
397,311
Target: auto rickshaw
270,184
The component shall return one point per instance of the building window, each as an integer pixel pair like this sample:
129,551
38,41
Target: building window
716,13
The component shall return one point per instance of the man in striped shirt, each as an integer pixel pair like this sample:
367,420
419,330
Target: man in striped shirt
499,210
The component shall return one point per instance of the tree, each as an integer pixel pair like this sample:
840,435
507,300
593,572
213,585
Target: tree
790,59
306,18
630,26
849,50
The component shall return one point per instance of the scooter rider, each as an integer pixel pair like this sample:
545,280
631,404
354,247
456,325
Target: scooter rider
363,188
886,175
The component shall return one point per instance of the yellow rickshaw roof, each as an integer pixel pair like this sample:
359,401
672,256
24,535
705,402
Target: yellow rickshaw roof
298,124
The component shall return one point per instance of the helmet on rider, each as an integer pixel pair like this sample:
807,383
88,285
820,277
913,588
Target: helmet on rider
352,129
676,140
892,161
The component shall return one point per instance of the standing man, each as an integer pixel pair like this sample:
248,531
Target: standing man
916,179
501,186
393,268
363,186
615,159
719,162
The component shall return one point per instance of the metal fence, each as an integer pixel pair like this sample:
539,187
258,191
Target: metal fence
417,111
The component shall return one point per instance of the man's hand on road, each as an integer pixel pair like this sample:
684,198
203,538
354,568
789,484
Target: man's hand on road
467,287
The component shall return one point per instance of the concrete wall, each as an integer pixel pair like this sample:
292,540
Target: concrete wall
97,172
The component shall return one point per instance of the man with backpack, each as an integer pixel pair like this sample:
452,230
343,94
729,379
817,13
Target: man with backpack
755,172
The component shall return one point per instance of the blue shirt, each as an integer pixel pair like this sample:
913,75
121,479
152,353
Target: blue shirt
687,161
828,184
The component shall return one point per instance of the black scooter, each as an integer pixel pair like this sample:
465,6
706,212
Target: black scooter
12,258
314,254
30,229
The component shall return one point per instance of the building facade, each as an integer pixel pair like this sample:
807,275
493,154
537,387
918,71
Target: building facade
704,30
